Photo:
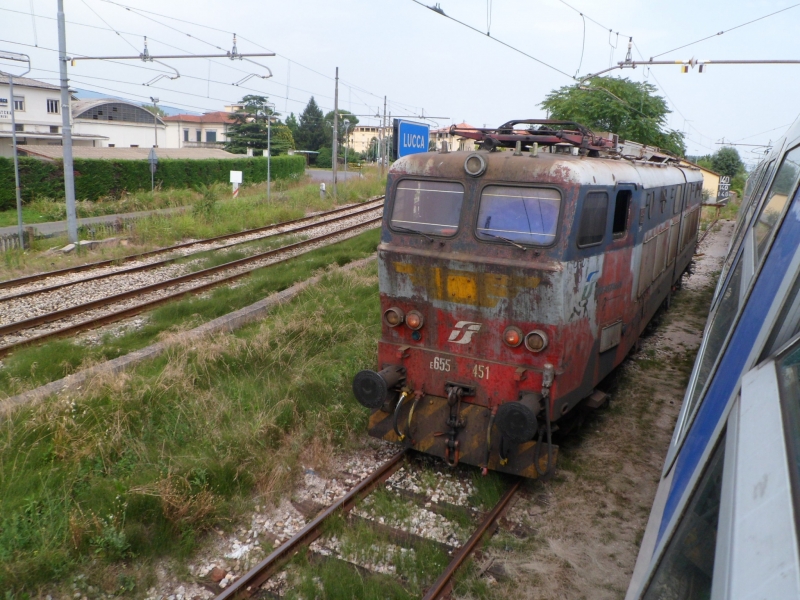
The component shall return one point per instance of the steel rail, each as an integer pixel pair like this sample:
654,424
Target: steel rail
103,263
124,313
444,584
162,263
247,584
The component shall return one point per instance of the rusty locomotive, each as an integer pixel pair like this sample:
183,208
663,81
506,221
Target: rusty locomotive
513,279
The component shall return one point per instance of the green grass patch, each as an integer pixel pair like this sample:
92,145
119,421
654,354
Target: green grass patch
208,212
35,366
141,465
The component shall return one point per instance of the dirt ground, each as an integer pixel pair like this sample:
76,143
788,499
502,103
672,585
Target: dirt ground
577,536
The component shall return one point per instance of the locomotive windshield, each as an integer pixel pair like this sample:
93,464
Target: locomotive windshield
518,214
427,207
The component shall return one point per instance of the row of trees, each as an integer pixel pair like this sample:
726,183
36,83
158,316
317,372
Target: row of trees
312,131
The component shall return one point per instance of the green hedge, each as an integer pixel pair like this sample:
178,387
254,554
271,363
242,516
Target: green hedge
98,178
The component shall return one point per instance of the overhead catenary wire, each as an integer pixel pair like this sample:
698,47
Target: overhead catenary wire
727,30
242,37
499,41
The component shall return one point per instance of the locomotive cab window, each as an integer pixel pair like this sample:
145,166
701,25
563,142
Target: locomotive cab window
592,229
522,215
428,207
621,213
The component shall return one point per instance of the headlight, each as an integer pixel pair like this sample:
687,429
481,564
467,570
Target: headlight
393,317
536,340
512,336
414,320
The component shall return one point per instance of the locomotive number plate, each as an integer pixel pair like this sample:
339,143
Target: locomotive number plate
480,372
440,364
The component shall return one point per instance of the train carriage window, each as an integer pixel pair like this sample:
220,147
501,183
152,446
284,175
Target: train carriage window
593,219
721,322
524,215
782,187
788,369
621,206
430,207
686,568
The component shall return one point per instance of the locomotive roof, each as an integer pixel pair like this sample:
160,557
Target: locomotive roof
556,169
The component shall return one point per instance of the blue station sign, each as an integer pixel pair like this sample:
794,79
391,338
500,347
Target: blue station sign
411,138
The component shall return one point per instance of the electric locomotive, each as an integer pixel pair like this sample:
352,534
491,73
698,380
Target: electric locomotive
513,279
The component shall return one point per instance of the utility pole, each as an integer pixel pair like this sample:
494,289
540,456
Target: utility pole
269,147
26,59
155,119
335,131
383,134
66,128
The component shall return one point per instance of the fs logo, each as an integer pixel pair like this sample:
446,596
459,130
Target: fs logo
468,328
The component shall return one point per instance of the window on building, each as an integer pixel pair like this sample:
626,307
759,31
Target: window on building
198,136
593,219
52,106
3,101
19,103
19,127
53,128
112,145
134,145
211,136
185,135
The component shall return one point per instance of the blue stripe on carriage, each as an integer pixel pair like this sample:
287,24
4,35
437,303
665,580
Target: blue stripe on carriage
729,371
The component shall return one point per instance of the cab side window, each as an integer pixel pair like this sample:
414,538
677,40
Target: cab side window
592,229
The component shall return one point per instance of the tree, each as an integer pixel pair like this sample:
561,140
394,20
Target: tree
726,161
630,109
292,124
310,133
343,114
154,109
250,129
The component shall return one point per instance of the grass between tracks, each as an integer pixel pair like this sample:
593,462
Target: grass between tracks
37,365
140,465
200,214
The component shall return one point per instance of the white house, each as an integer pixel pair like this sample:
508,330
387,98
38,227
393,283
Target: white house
209,130
118,123
37,112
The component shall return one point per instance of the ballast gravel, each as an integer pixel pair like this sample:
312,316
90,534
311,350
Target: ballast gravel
64,298
277,229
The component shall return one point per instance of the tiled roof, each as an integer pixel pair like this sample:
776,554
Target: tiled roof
219,116
25,82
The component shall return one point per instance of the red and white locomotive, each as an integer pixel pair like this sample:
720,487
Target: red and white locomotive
512,282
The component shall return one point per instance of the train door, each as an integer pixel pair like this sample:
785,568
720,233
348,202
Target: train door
614,284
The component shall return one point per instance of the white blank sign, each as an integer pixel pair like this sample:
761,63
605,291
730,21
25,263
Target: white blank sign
236,177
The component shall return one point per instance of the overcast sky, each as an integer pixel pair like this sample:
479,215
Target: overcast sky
422,60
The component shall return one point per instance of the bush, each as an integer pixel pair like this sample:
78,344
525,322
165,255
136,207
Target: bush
96,179
325,158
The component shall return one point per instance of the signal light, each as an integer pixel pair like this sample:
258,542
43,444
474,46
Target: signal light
512,336
536,340
393,316
414,320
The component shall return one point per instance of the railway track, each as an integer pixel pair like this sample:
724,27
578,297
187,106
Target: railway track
31,283
138,294
249,584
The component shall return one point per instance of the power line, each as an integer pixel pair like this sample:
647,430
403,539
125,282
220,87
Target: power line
763,132
499,41
583,14
727,30
349,83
